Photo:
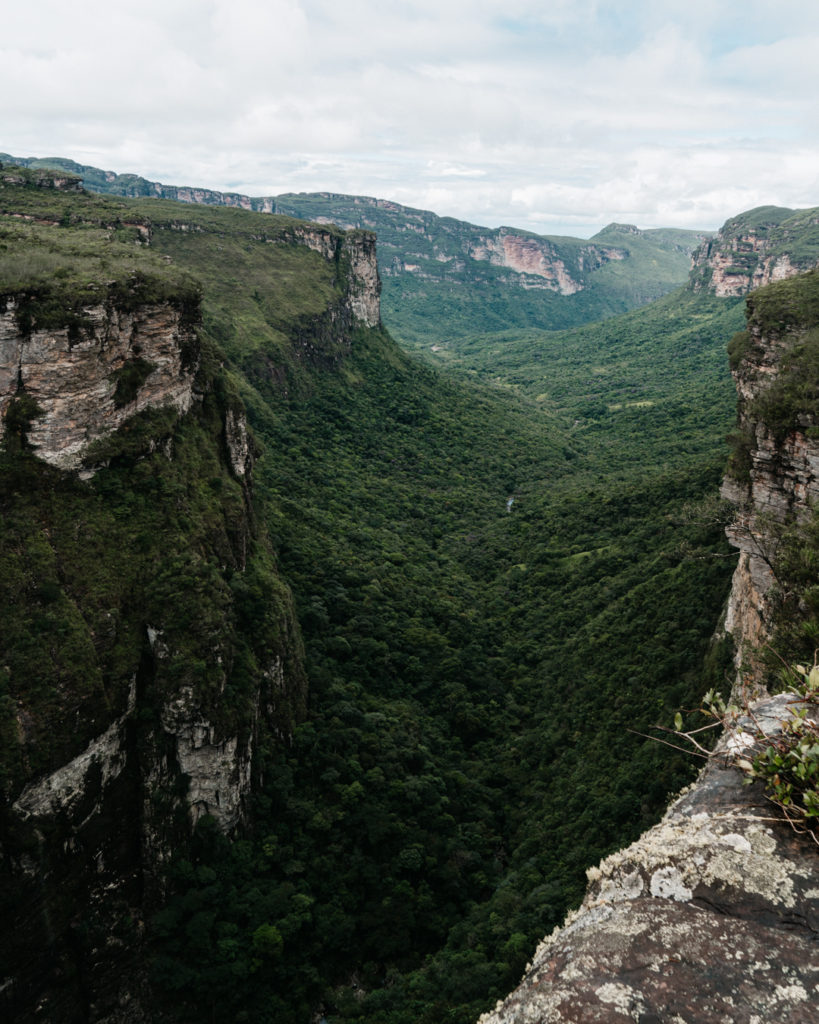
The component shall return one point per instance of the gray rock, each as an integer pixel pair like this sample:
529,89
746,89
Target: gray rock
711,916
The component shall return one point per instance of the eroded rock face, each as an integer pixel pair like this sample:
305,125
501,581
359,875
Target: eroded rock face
529,254
362,283
781,486
751,251
713,915
76,379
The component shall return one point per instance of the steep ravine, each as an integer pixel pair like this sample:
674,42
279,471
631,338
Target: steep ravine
712,915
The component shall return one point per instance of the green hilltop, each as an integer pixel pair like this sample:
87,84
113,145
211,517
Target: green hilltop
445,279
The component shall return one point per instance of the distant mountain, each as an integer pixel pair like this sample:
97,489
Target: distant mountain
445,278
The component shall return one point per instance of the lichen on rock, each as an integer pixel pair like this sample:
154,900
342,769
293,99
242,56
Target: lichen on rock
711,916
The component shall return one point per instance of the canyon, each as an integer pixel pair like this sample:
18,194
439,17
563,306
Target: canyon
252,487
711,914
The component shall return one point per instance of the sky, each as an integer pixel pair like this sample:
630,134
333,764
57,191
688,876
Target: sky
558,116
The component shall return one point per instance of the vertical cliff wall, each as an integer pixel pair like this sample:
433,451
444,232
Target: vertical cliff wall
87,382
759,247
773,477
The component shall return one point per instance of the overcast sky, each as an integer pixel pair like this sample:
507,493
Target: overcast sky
554,115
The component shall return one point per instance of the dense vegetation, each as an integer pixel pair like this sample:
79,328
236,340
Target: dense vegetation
492,607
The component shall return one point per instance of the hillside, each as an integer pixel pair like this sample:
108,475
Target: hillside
485,615
445,279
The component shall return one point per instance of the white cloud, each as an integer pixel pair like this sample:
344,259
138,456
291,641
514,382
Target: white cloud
555,117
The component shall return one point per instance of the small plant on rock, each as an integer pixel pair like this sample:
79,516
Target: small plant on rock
785,757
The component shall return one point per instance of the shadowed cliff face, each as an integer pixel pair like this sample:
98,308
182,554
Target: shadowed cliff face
774,479
149,645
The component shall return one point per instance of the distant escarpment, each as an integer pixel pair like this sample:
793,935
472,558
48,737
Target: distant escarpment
445,278
756,248
712,915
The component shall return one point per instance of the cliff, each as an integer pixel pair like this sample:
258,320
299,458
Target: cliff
149,646
712,914
87,384
764,245
773,476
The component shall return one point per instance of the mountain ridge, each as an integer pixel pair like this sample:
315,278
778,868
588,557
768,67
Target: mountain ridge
431,266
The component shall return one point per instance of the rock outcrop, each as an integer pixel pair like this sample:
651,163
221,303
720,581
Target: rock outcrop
87,383
757,248
711,916
774,480
355,254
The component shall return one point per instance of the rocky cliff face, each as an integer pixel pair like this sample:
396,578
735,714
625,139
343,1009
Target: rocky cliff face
88,383
774,480
757,248
711,916
538,257
139,672
355,253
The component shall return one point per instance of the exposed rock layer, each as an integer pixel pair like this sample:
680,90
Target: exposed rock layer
74,380
755,249
778,486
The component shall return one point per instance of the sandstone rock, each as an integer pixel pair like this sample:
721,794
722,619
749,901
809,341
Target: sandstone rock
782,486
74,380
747,252
362,284
713,915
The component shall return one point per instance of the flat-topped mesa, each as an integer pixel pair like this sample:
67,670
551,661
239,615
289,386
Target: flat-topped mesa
773,475
87,377
768,244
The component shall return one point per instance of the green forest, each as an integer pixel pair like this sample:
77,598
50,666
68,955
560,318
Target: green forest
505,569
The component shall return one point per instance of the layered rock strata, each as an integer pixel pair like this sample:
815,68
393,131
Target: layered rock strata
355,253
76,378
711,916
777,486
755,249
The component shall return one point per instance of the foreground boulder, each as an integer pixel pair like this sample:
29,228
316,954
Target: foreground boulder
712,915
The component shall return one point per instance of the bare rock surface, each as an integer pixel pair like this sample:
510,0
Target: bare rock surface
74,380
755,249
711,916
